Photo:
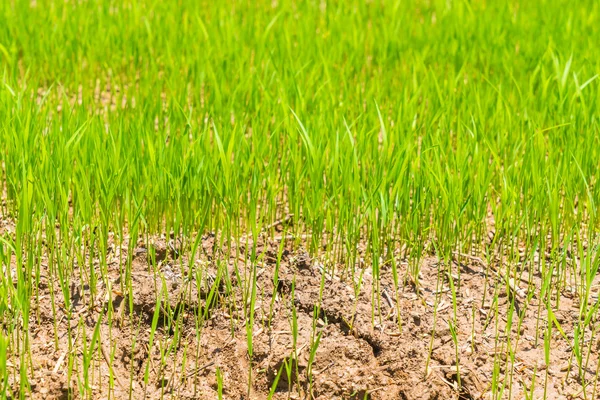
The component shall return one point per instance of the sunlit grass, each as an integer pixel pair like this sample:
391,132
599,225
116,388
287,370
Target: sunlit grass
392,129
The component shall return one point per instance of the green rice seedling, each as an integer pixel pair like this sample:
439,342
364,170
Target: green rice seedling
219,384
454,335
292,369
438,296
315,339
547,344
211,298
251,312
134,345
276,380
597,371
153,328
510,345
311,359
452,325
357,285
393,262
4,367
274,295
89,351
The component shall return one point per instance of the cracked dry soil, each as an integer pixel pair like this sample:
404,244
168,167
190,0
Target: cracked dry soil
364,352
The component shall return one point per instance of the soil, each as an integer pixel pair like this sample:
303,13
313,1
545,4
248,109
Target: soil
364,352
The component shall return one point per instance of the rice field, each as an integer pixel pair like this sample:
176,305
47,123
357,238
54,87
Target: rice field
299,199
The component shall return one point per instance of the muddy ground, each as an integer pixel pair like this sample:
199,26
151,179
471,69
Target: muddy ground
365,351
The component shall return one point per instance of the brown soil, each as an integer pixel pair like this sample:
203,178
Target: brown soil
365,352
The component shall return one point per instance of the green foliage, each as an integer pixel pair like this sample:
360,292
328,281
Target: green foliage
384,124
